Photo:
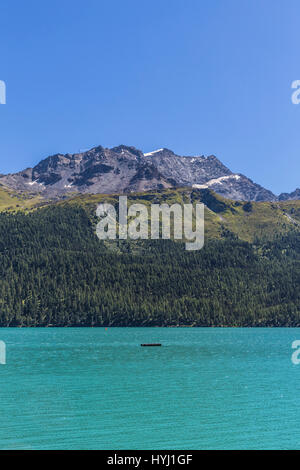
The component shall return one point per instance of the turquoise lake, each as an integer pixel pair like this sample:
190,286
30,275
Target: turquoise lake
205,388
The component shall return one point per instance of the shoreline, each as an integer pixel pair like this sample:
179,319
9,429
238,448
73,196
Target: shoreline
151,326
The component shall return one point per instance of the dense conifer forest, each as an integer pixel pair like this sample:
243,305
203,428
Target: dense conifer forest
55,272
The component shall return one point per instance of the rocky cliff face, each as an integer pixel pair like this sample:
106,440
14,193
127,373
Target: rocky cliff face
121,169
238,187
295,195
126,169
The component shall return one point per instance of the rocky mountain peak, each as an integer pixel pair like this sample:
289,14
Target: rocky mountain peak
124,168
295,195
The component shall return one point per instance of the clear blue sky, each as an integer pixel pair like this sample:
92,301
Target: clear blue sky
196,76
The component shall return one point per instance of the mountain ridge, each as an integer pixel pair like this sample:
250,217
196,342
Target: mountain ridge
126,169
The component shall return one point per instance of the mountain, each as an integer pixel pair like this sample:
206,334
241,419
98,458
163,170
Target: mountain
99,170
54,271
295,195
126,169
238,187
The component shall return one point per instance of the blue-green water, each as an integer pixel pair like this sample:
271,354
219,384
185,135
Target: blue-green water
88,388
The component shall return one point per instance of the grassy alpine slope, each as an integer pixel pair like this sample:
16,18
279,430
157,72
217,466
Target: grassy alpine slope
55,271
11,201
248,221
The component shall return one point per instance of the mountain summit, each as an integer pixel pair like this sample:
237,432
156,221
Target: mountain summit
125,169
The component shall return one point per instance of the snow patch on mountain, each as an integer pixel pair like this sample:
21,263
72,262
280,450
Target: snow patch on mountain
219,180
152,153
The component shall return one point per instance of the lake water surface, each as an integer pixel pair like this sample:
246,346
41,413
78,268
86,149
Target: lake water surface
205,388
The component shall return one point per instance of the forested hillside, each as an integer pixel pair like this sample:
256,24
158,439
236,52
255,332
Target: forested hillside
55,271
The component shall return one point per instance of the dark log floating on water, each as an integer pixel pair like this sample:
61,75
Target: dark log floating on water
151,344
